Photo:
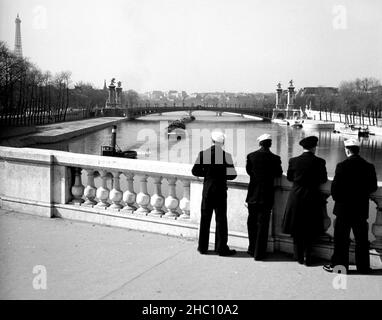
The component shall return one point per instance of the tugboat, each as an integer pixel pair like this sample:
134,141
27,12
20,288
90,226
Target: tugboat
188,119
114,151
177,129
176,124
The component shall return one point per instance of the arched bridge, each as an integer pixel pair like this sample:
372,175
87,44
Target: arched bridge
139,111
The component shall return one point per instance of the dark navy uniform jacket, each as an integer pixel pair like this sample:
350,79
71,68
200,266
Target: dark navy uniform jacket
354,180
216,166
262,167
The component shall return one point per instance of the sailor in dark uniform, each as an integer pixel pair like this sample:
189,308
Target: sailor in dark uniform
263,167
354,180
303,218
216,166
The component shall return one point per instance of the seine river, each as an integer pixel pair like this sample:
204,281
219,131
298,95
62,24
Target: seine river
147,136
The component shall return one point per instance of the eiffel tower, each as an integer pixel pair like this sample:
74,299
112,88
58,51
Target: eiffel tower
18,47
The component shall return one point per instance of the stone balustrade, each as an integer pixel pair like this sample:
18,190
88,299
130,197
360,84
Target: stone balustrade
144,195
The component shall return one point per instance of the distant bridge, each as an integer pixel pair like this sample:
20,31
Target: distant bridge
147,109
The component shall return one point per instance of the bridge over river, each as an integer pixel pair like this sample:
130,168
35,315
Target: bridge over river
136,111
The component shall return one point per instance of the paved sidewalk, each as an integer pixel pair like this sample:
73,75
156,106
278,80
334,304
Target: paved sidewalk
55,132
85,261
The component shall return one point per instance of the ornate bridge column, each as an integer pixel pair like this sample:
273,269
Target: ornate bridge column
279,91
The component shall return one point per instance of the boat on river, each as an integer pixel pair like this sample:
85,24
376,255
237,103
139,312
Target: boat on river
318,124
114,151
177,129
351,129
109,151
294,123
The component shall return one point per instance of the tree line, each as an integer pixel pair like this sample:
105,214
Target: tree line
30,96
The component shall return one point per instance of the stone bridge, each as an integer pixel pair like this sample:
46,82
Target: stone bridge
146,109
146,195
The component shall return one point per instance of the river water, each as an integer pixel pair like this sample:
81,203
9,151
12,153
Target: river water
147,136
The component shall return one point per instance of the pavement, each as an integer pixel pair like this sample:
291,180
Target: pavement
55,132
43,258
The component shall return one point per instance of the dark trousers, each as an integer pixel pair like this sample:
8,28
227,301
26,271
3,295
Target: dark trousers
258,226
302,245
219,205
342,228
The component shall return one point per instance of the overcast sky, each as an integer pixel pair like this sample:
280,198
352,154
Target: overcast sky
200,45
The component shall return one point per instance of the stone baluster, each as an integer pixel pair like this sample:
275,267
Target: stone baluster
376,227
143,198
157,200
103,192
171,201
116,194
184,203
325,194
129,195
327,220
90,190
77,188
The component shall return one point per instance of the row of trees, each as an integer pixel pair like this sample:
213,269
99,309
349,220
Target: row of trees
29,95
352,96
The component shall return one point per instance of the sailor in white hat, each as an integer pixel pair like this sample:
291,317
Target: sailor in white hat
264,136
354,180
351,143
218,136
262,167
216,167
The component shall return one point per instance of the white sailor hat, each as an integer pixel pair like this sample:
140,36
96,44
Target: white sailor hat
351,143
218,136
264,136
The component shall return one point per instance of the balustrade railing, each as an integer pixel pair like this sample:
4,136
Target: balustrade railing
59,180
130,200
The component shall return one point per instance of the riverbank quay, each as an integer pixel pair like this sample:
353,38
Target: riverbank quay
90,261
56,132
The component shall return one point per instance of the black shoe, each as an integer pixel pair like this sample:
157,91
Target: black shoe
228,252
259,258
202,251
331,268
328,267
364,271
251,253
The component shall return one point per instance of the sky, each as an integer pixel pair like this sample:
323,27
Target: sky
200,45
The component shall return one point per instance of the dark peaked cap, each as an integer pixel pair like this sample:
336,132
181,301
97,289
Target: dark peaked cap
309,142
